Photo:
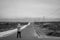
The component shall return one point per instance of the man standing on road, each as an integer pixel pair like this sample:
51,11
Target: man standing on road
18,31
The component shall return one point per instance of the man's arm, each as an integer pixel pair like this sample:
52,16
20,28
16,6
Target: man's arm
24,26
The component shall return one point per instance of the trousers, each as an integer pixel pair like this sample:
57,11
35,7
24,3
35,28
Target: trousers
19,34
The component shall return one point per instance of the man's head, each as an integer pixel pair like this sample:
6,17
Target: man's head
19,25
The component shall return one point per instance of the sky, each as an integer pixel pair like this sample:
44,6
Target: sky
29,8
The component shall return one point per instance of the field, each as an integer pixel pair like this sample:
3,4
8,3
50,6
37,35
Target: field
4,26
28,33
48,28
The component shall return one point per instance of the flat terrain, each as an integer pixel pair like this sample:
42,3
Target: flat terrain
27,34
4,26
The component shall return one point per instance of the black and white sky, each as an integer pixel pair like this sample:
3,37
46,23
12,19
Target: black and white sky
29,8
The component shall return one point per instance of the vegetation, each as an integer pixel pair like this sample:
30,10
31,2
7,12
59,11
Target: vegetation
4,26
48,28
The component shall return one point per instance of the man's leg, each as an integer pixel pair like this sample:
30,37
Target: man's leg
17,34
20,34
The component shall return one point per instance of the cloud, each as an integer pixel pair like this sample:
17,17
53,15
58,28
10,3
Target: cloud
21,8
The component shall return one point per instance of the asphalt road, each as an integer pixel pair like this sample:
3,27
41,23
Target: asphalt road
27,34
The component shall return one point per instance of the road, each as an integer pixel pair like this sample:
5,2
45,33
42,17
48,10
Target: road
9,32
27,34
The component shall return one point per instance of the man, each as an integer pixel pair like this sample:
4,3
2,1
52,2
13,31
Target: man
18,31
